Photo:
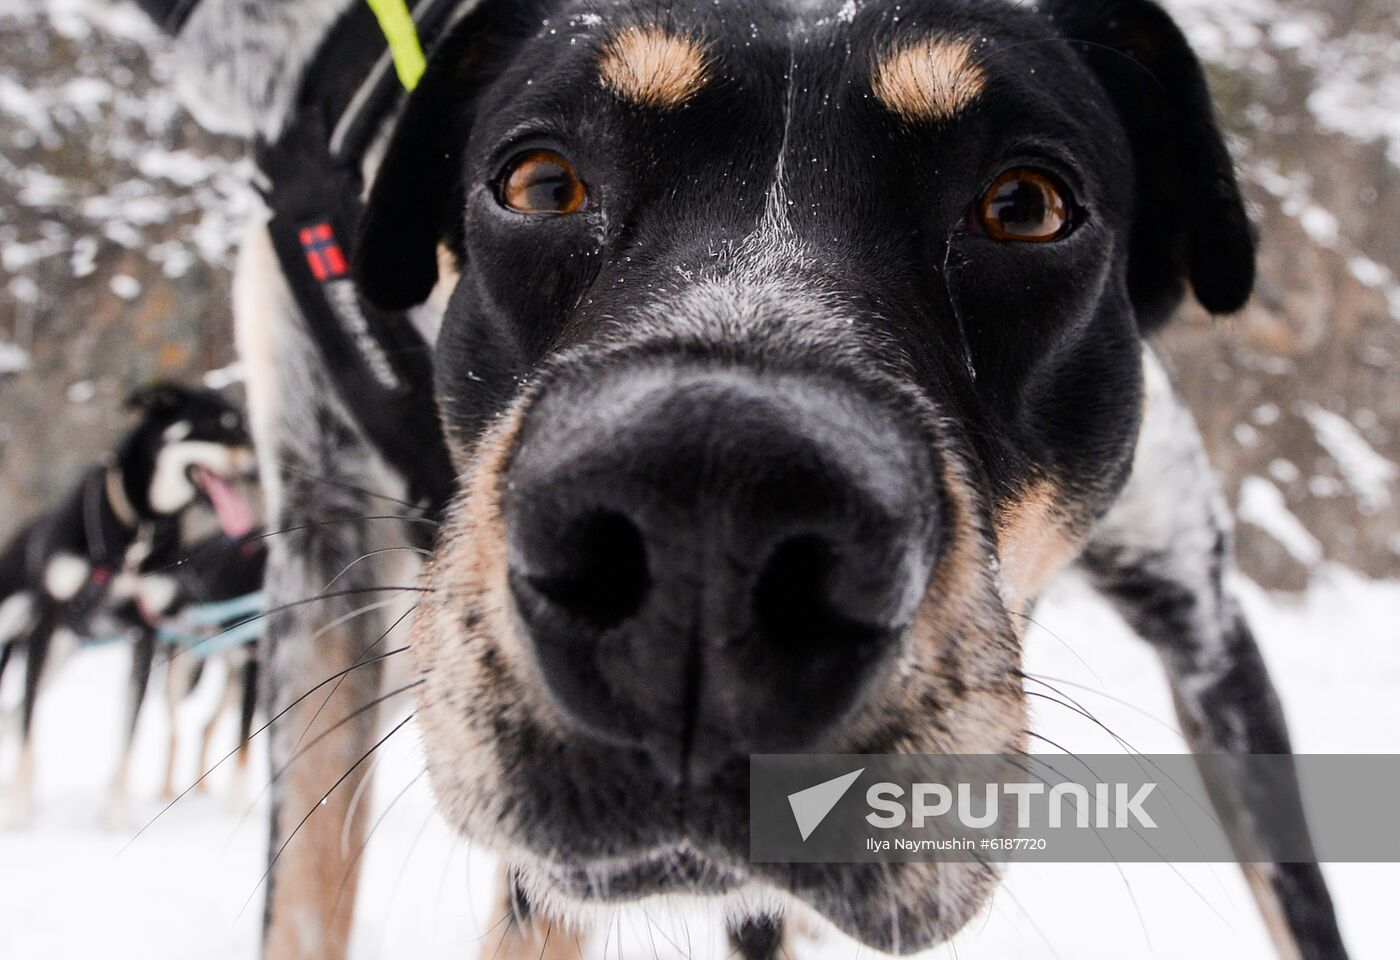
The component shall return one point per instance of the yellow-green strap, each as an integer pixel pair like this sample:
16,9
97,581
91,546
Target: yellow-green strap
399,29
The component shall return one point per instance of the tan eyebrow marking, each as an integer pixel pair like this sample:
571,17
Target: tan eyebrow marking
929,79
647,65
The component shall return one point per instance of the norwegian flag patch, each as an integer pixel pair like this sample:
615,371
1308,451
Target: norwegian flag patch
323,253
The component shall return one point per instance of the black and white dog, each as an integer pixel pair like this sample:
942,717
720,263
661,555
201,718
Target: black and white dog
122,519
785,350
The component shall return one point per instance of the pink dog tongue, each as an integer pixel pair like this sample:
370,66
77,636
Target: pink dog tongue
234,512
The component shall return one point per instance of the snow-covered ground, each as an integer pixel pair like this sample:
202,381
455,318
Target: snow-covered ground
189,886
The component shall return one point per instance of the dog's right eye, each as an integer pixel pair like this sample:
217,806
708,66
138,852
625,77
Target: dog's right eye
1026,205
540,181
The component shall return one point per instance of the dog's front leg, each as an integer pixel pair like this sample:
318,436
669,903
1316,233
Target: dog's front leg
36,642
142,656
1161,556
318,749
248,703
313,466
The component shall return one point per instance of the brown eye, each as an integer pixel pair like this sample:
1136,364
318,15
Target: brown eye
541,181
1024,204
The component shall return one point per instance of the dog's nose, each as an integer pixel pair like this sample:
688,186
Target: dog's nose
711,563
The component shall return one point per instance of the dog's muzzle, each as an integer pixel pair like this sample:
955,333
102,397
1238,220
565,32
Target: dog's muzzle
713,562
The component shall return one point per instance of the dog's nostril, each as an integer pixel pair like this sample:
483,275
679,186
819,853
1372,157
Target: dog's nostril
794,604
601,577
791,595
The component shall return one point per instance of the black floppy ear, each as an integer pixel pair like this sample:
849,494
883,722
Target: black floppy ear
1190,221
416,199
158,396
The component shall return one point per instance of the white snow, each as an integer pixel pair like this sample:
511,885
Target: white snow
1263,505
77,19
1266,414
1370,475
1293,190
223,377
180,167
1369,273
83,261
1355,92
179,890
13,358
15,256
1284,471
24,290
126,286
175,258
1357,87
29,109
158,190
1358,91
82,391
1321,226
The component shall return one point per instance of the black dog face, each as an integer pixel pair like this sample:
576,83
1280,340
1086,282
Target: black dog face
792,348
189,444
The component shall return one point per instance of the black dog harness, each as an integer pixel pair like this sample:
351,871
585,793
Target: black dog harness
378,362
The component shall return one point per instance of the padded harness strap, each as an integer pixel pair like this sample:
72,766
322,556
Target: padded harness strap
378,362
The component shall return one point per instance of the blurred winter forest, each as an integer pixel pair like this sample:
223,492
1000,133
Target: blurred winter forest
119,219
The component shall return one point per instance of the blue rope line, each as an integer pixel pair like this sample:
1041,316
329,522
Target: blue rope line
239,618
222,612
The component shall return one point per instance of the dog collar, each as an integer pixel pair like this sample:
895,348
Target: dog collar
122,507
396,22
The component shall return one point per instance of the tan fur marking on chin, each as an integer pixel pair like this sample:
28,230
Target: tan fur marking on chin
1036,540
930,79
649,66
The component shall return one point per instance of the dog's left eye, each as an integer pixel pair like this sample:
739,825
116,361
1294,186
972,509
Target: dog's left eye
541,181
1026,205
